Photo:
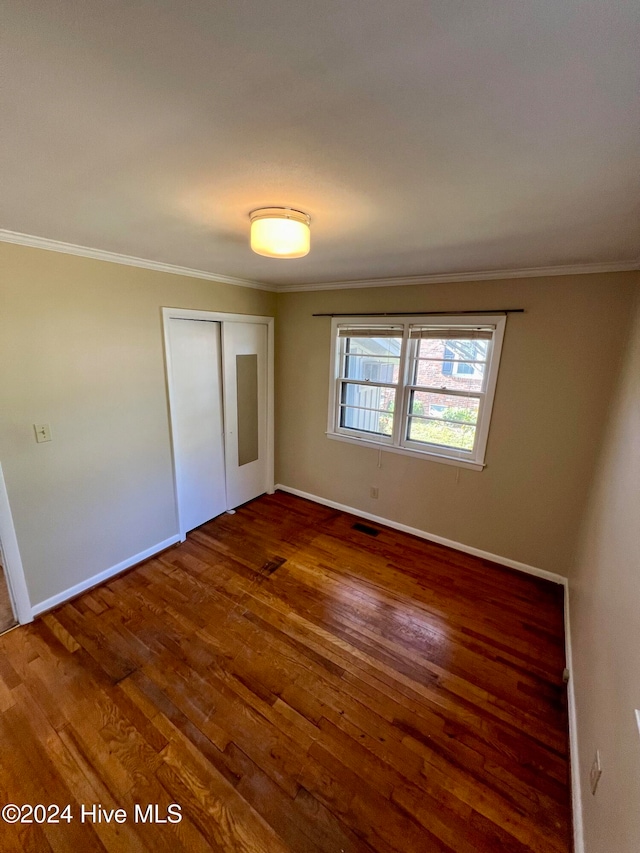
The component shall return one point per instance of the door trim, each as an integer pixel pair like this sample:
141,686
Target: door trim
14,572
222,318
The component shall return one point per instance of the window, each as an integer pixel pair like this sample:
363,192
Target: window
418,385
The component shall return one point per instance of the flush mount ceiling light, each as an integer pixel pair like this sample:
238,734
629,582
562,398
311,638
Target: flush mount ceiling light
280,232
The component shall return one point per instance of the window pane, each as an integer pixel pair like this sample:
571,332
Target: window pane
456,375
371,368
366,358
375,346
456,364
454,350
368,397
367,408
445,407
366,420
442,433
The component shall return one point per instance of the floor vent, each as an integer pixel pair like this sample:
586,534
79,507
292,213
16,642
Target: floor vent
271,565
364,528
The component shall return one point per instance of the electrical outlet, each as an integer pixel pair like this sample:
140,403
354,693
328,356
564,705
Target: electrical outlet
596,772
373,492
43,432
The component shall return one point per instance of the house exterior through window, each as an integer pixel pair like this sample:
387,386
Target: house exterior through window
418,385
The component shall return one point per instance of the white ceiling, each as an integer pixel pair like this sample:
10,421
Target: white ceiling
423,136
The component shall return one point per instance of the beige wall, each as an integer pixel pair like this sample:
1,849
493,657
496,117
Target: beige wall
605,623
81,349
559,362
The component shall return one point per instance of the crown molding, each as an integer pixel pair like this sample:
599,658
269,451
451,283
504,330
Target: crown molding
481,275
397,281
127,260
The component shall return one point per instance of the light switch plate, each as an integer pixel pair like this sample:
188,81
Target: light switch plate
43,432
638,720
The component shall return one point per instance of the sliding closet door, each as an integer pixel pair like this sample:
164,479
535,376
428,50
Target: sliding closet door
245,407
197,421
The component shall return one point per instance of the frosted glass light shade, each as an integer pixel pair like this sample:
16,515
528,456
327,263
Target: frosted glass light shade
280,232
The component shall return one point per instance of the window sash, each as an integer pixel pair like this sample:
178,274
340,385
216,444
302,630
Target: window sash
366,383
341,382
476,395
441,389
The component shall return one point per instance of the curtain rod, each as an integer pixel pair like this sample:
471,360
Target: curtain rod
423,313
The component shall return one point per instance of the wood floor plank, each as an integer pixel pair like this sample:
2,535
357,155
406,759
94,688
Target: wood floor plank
296,686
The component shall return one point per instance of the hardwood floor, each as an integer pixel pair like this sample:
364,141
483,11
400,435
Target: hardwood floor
295,685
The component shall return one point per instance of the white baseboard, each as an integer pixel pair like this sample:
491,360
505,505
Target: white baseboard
432,537
94,580
576,793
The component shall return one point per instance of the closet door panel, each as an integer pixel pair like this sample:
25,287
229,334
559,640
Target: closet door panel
197,420
245,406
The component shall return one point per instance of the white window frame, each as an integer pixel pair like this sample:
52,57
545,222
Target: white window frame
397,442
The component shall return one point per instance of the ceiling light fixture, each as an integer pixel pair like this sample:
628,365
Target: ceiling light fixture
280,232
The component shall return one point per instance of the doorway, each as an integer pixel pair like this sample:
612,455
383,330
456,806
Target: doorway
220,386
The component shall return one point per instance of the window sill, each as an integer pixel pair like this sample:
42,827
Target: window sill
405,451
